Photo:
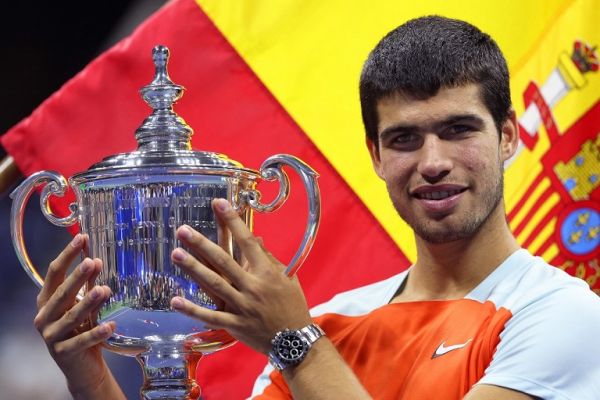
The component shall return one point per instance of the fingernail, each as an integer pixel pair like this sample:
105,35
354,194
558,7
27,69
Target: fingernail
185,232
85,266
95,293
104,329
179,254
76,242
222,205
177,303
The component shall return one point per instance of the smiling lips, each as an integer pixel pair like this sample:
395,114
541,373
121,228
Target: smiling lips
438,195
438,199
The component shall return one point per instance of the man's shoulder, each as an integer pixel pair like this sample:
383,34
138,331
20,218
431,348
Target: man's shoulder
549,347
361,300
524,280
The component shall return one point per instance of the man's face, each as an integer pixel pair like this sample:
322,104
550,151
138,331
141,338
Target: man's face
441,159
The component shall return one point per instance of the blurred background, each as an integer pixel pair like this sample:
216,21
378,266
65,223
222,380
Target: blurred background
45,44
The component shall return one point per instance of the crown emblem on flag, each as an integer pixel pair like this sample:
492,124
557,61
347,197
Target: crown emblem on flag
585,56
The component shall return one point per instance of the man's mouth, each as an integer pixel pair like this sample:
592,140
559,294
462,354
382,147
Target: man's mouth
438,195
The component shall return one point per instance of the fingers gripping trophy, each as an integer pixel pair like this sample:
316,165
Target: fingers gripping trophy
130,206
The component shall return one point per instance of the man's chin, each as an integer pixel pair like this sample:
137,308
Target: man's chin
444,234
440,238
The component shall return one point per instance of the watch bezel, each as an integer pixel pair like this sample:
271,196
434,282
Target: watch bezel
280,357
284,345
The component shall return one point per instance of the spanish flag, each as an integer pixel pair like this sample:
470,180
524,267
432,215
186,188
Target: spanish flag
266,78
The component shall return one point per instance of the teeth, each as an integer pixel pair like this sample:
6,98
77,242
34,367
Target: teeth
438,195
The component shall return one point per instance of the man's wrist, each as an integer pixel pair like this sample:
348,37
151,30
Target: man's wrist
105,387
290,347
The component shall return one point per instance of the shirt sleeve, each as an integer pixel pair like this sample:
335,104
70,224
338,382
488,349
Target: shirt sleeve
550,348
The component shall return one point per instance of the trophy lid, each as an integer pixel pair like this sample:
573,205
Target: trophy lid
164,138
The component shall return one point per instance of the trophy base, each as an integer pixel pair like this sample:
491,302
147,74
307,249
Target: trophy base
164,332
168,357
169,376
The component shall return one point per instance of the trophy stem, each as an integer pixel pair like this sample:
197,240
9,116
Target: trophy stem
169,376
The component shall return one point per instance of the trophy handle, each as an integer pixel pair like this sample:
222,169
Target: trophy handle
56,185
271,170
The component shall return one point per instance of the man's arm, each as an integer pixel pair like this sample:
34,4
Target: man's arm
490,392
324,375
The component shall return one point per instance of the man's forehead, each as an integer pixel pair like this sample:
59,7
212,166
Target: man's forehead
422,95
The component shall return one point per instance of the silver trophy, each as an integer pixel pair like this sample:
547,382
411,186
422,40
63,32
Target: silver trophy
131,204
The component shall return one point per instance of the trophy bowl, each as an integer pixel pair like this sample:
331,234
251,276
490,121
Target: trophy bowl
131,204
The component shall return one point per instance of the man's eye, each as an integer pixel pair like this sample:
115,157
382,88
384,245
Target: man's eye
454,130
405,142
406,138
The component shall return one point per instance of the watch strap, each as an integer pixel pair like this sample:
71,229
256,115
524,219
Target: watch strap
312,332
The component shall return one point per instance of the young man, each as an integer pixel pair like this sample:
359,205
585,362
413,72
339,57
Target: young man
475,317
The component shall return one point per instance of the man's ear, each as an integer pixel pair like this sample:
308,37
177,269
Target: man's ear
375,157
509,136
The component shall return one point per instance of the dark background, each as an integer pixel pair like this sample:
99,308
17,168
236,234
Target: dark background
44,45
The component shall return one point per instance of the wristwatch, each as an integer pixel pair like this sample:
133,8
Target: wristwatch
291,346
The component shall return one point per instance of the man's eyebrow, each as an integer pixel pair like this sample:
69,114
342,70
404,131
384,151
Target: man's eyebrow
450,120
461,118
397,129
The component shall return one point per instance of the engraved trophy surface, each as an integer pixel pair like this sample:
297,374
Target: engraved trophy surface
131,205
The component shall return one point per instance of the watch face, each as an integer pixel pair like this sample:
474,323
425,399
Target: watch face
290,347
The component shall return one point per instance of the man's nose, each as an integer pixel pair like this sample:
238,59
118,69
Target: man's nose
435,160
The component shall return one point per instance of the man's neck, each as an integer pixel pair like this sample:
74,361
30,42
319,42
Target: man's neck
449,271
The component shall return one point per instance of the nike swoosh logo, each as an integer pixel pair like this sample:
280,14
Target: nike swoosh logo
443,349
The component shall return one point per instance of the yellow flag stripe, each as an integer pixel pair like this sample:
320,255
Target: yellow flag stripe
536,43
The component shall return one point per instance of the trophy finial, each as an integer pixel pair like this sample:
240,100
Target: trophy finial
163,129
160,56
